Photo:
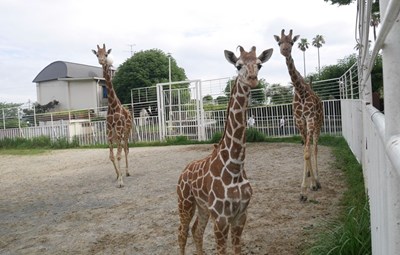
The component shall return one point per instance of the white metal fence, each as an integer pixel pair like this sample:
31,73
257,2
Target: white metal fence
89,127
374,136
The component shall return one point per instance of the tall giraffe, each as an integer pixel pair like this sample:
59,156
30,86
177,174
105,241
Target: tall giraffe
217,184
307,112
119,119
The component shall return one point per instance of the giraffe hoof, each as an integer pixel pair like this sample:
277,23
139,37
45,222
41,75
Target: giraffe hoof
303,198
316,186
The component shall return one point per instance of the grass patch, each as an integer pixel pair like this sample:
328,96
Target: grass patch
36,145
350,233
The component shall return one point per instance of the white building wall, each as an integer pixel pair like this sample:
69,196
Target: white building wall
83,94
52,90
71,94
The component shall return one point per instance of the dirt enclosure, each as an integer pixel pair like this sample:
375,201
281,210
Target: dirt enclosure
66,201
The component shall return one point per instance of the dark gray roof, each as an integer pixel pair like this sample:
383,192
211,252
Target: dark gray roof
62,69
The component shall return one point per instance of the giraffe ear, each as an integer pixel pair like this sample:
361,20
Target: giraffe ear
295,38
265,55
94,52
230,56
109,51
277,38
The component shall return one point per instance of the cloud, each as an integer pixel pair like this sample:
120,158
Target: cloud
36,33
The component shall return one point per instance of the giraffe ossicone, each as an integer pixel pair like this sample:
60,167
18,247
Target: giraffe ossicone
217,186
119,119
307,112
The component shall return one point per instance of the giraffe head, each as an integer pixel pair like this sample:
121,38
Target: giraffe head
248,64
103,55
286,42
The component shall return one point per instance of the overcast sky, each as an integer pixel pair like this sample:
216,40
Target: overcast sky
35,33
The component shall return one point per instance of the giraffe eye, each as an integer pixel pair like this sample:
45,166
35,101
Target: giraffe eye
279,43
259,66
239,67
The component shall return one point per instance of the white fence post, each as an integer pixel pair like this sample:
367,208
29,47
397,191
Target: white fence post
391,78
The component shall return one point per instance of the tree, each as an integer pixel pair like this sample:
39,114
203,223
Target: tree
303,46
145,69
340,2
257,94
207,99
278,94
375,17
318,41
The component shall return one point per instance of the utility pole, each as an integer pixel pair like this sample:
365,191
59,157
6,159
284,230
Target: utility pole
132,45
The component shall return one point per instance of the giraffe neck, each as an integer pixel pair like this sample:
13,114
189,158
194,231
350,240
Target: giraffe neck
234,137
295,76
112,98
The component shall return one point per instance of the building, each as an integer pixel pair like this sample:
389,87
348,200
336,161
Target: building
74,86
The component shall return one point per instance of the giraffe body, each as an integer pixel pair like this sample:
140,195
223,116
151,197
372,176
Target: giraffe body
307,112
217,185
119,119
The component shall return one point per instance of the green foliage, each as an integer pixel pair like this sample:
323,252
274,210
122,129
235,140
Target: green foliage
303,44
318,41
253,135
377,75
336,71
279,94
216,137
179,140
340,2
41,142
222,100
145,69
257,93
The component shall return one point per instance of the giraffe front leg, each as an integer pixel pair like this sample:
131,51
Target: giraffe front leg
186,208
221,231
236,233
112,158
307,172
303,192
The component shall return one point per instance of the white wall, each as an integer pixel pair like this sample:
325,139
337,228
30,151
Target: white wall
83,94
52,90
71,94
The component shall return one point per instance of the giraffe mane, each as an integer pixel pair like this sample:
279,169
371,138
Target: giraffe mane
227,109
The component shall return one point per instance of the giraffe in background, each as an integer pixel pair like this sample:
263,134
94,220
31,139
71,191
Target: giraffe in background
217,185
307,112
119,119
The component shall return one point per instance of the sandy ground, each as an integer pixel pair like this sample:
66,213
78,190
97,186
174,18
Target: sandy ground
66,201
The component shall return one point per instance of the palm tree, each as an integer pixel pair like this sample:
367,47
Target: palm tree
375,17
375,20
318,41
303,46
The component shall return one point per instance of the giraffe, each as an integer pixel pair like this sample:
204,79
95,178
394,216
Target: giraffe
307,112
119,119
217,184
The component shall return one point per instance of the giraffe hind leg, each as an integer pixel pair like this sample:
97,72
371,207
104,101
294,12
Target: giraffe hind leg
315,184
119,152
198,229
126,151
